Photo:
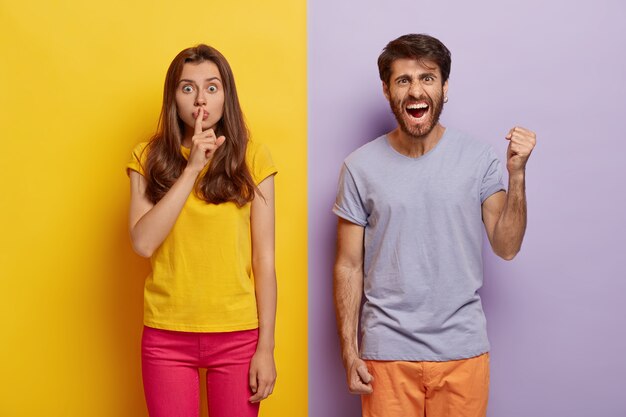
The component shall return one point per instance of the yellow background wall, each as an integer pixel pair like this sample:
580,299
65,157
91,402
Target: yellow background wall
80,85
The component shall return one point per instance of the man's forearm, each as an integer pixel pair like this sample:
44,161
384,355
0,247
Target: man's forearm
348,289
511,225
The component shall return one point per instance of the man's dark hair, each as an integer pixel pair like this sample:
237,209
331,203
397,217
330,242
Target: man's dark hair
420,47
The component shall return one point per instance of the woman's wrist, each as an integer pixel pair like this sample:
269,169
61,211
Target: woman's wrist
265,344
192,171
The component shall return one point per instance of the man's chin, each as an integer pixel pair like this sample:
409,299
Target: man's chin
415,130
418,132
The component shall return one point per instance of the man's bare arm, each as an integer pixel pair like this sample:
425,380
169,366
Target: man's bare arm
348,290
504,214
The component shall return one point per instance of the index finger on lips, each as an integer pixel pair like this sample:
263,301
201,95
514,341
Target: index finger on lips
198,124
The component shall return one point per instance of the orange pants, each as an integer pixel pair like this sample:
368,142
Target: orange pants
428,389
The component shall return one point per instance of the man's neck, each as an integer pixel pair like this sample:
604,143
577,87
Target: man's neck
415,146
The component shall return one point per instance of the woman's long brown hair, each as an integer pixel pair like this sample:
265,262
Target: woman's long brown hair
228,177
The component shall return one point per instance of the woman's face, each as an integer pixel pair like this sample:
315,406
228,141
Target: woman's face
200,86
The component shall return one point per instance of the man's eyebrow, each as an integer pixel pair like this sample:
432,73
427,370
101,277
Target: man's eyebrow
399,77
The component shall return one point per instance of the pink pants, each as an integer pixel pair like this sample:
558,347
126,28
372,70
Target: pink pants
170,362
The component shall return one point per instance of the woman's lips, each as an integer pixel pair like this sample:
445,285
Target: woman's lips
204,116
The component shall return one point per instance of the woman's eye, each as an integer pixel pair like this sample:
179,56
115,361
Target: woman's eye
212,88
187,89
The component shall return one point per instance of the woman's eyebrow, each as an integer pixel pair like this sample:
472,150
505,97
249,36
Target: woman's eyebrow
192,81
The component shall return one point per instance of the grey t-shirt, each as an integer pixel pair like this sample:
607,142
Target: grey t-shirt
423,246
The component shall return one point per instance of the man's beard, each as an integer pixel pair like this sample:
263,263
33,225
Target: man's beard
424,128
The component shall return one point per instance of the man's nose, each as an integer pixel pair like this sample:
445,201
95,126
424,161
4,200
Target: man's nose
416,88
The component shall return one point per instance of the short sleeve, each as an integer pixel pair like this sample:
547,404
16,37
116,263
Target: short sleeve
492,176
138,159
348,204
260,162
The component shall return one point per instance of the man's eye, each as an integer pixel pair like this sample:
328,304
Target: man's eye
212,88
187,89
403,81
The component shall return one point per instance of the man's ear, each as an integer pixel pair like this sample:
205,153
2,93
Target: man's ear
445,89
386,90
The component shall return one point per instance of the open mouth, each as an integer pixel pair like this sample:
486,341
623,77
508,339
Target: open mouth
417,110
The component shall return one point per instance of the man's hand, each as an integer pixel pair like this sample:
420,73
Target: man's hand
521,144
359,378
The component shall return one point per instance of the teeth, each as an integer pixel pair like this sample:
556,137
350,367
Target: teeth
417,106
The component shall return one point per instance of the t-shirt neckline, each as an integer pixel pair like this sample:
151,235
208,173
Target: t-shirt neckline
419,158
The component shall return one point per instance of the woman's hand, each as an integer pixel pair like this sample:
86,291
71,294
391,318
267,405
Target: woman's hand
203,145
262,368
262,374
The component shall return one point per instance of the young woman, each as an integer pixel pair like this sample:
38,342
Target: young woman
202,210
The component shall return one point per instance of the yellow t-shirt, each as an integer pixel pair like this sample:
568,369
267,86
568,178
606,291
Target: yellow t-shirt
201,279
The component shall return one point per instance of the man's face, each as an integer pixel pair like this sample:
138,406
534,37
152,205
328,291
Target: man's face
415,93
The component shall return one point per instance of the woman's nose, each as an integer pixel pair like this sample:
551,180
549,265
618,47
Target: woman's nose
200,99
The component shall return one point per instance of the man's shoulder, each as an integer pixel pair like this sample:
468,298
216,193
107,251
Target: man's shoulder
367,153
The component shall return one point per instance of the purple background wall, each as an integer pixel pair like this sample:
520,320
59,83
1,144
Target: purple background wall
556,313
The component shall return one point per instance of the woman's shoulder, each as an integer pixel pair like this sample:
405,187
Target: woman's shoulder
141,148
255,147
138,158
259,160
258,153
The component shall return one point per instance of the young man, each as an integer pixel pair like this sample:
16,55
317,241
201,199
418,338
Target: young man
411,207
